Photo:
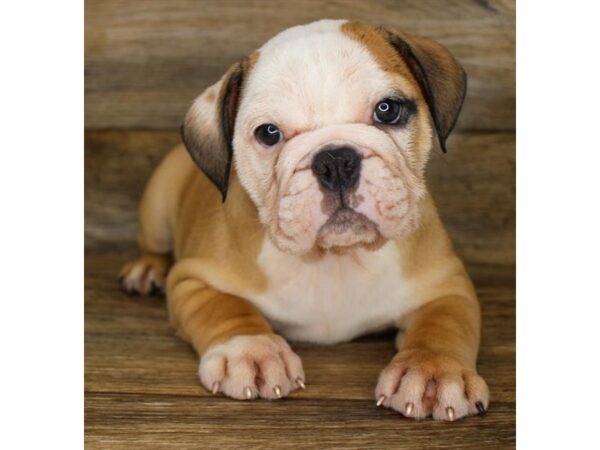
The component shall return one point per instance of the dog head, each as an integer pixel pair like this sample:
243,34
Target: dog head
329,126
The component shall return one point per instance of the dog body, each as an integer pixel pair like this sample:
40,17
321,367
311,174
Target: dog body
321,228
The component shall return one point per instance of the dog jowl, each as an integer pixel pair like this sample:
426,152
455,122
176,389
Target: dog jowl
297,209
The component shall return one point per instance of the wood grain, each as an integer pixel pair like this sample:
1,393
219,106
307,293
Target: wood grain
145,61
141,389
473,185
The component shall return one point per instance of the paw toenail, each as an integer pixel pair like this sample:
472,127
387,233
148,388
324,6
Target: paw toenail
380,400
450,412
480,408
300,383
248,392
408,409
154,289
277,391
215,388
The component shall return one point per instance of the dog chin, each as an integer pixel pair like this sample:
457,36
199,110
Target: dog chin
348,229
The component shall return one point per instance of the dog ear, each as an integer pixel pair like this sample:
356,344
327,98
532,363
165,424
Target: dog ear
207,129
442,80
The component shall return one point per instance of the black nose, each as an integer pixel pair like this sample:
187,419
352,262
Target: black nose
337,169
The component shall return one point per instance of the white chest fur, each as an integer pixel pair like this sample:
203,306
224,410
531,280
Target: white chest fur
334,298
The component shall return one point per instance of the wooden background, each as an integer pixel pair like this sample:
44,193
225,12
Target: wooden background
145,61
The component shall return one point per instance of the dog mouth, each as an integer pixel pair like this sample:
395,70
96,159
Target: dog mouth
345,219
345,228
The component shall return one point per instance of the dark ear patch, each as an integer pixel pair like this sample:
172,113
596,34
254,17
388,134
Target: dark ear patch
207,130
442,80
229,107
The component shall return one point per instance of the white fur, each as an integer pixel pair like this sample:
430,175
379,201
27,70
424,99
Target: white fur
235,366
335,298
404,382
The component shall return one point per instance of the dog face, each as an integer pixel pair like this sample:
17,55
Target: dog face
330,127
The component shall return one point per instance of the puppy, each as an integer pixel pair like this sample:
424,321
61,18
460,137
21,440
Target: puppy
310,219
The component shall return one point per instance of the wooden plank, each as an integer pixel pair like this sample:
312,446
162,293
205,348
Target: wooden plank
145,61
167,422
473,185
117,166
142,390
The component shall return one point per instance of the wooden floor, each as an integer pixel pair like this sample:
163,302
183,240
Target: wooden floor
141,389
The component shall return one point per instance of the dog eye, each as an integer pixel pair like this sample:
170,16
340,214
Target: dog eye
268,134
392,111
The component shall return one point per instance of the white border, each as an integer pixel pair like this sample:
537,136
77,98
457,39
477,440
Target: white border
558,224
41,193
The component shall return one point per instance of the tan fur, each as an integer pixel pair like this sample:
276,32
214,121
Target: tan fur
231,234
186,199
216,247
251,61
375,41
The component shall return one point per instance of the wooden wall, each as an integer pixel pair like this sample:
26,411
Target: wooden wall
145,61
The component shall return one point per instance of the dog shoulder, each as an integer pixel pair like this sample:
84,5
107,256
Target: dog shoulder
428,258
223,238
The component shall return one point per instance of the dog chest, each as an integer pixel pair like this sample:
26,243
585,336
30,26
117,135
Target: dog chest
336,297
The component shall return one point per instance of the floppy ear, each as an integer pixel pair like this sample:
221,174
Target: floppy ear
207,129
442,79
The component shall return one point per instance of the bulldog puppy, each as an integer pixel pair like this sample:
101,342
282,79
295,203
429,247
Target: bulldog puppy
310,219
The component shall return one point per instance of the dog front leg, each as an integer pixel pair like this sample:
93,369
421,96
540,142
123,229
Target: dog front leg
240,354
434,371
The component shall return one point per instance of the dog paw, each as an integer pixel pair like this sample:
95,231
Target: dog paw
419,385
247,367
145,275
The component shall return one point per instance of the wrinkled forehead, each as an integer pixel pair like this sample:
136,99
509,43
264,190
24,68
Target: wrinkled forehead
314,75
